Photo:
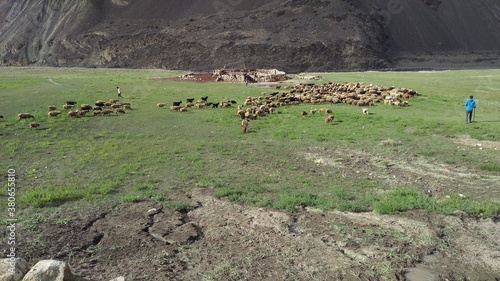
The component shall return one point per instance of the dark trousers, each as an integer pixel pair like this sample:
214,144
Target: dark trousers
468,116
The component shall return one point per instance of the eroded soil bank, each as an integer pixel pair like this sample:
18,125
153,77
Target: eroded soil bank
220,240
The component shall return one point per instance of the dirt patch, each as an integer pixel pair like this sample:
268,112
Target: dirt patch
220,240
468,141
433,178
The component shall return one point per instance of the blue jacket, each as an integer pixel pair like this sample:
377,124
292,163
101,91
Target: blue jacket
470,105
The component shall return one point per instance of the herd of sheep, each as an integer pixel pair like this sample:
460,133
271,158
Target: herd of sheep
73,110
356,94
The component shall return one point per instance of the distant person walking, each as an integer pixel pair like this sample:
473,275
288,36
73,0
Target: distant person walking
470,105
119,92
244,125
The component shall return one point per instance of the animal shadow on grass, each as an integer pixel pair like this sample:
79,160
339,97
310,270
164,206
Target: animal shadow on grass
336,122
38,129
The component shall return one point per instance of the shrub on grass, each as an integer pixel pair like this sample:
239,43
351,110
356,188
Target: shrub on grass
179,206
400,200
492,167
144,187
132,198
454,203
231,193
488,209
51,196
288,200
151,195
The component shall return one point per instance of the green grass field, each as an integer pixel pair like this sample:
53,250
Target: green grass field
149,152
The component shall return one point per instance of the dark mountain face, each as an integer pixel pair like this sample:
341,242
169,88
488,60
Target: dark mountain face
293,35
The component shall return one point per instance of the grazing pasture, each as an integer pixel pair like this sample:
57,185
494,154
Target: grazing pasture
416,161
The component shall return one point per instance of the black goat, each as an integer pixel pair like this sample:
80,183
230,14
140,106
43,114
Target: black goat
176,103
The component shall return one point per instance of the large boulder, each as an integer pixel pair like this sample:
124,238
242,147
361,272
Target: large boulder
49,270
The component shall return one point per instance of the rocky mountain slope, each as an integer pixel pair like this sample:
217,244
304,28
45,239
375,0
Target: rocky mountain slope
292,35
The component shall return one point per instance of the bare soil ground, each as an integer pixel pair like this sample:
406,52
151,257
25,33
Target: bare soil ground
221,240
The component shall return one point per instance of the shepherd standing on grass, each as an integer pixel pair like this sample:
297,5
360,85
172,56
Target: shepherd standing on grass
470,105
119,92
244,125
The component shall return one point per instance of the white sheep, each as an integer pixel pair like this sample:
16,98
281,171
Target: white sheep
54,113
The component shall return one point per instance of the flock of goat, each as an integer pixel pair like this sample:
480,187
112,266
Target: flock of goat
100,108
253,107
332,93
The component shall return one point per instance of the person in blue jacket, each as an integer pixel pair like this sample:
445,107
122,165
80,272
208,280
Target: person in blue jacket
470,105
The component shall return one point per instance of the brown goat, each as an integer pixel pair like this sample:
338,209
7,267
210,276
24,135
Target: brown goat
106,112
34,125
325,110
329,119
24,116
86,106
